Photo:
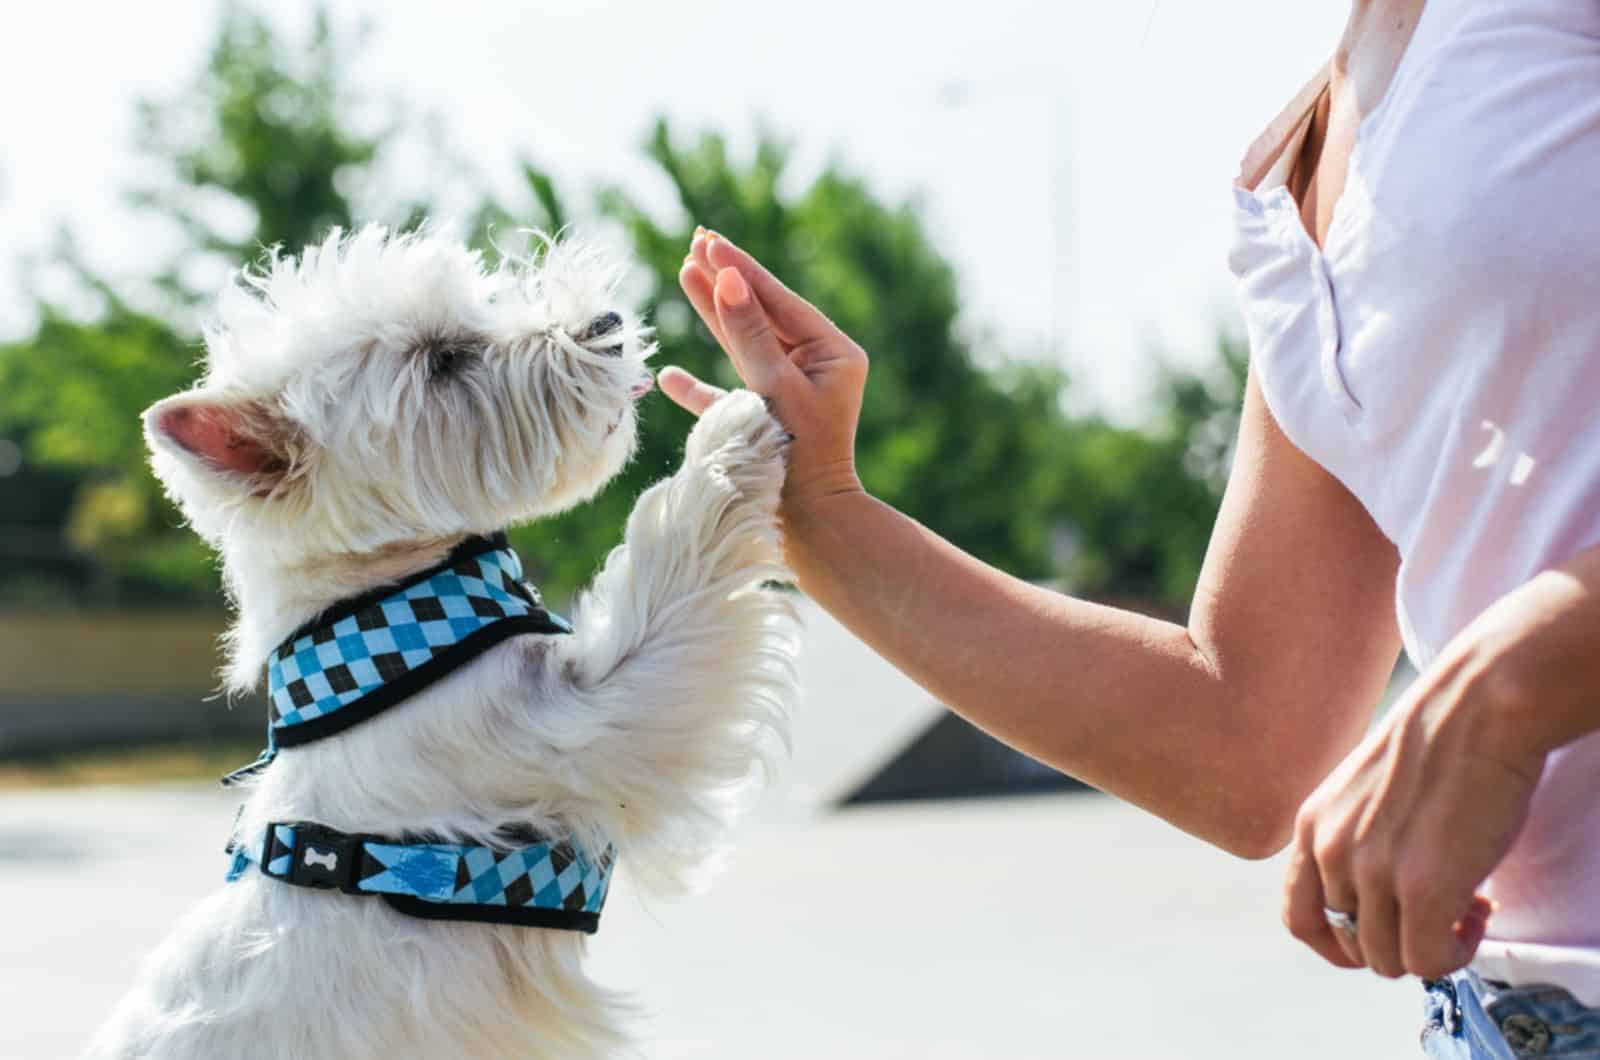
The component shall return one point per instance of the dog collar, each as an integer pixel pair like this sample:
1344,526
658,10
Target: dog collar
539,883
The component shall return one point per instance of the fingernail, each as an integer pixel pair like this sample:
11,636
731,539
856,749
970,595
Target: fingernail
731,288
711,235
699,230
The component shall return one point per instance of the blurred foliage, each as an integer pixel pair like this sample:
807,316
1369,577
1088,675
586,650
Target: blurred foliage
264,127
256,150
261,149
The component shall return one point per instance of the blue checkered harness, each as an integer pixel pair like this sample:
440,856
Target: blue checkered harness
372,653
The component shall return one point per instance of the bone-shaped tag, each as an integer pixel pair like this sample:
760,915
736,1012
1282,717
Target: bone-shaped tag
328,860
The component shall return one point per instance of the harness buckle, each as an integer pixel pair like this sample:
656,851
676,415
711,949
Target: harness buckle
325,859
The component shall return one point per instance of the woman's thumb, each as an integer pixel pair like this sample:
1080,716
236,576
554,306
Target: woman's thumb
686,390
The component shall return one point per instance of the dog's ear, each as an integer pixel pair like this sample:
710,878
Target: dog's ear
247,440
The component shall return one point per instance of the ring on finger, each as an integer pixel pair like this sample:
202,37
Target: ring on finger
1342,922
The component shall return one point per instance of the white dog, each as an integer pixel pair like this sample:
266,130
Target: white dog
366,408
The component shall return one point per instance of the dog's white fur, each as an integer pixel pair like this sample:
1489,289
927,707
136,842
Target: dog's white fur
328,461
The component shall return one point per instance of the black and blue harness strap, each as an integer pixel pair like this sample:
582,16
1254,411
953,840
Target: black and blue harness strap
367,654
536,884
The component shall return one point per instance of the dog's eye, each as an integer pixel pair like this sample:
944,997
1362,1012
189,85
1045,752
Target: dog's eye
601,326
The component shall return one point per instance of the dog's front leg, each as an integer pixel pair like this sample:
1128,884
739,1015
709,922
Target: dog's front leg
683,664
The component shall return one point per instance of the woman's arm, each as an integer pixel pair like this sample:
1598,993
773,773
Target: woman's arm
1221,727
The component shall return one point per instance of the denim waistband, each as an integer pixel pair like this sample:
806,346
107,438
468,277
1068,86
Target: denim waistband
1470,1018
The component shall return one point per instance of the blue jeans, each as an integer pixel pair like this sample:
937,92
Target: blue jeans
1469,1018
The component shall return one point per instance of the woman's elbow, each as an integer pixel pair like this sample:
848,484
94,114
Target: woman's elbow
1260,843
1262,826
1279,775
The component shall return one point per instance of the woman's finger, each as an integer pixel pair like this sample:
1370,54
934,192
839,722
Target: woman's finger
696,284
697,256
1438,936
1303,909
697,250
795,319
751,340
1340,898
1473,926
687,391
1379,928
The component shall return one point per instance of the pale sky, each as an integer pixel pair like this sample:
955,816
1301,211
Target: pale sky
1073,158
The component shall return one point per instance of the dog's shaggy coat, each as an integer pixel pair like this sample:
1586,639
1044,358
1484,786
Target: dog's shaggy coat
365,406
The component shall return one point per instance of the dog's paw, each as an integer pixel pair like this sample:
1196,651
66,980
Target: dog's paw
740,435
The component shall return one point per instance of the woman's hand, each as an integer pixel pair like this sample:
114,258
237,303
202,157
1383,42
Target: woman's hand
1401,834
784,349
1405,830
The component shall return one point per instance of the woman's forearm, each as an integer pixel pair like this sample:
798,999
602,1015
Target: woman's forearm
1536,647
1122,701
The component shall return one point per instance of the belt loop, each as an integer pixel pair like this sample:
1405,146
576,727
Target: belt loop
1453,1019
1450,1004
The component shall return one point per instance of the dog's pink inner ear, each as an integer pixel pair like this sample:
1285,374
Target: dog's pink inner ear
219,436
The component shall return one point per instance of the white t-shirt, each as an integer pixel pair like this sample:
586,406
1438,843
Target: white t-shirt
1441,356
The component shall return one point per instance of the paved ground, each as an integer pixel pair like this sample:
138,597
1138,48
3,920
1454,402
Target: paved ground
1055,926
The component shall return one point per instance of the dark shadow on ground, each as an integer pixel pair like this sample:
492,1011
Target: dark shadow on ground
953,759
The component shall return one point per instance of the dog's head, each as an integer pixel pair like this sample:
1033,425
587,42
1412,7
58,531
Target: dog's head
381,389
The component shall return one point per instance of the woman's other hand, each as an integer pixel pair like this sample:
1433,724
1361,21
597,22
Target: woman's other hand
1405,830
784,349
1401,835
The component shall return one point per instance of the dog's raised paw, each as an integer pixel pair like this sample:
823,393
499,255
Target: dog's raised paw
739,429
